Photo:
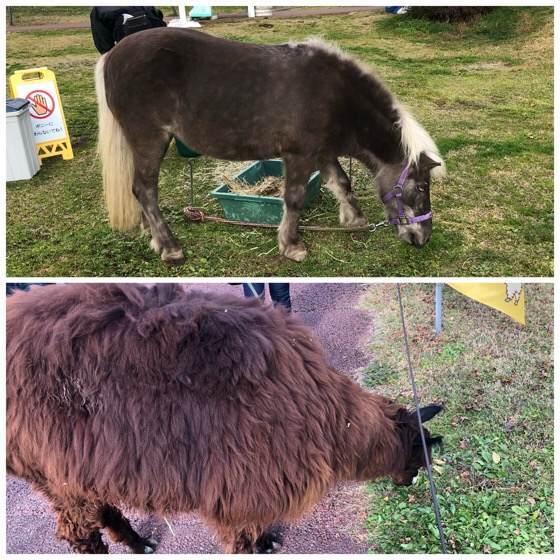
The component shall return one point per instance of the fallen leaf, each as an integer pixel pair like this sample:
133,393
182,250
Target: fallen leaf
532,501
495,457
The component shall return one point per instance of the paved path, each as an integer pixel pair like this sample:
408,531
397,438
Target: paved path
281,14
335,526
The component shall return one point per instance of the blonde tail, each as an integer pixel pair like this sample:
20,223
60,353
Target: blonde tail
116,160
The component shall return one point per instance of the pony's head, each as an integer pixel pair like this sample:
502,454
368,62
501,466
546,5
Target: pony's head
412,457
405,192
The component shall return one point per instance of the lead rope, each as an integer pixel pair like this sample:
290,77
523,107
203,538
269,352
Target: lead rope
196,214
252,288
435,501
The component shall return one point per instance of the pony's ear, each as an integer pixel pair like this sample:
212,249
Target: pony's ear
428,412
425,162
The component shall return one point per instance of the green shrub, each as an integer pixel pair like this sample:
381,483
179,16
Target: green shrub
449,13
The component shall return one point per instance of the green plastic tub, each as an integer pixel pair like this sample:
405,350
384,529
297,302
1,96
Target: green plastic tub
261,209
185,151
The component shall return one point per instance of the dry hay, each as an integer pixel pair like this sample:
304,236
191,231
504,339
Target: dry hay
225,172
267,186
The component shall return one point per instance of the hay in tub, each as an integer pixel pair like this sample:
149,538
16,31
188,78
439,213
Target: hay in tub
267,186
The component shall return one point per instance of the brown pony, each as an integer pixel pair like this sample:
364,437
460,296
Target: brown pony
306,103
167,401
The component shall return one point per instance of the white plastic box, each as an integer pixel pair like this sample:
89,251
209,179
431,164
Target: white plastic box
21,151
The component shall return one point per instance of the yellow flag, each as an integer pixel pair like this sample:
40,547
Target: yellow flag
507,297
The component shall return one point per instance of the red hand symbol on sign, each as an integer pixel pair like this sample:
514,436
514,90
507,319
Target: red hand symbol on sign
42,104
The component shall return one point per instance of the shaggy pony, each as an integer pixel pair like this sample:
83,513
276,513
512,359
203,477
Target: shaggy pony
167,401
307,103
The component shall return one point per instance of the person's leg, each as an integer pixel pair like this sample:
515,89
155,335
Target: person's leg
253,290
280,293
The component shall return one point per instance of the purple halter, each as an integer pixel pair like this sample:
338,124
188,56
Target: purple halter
396,192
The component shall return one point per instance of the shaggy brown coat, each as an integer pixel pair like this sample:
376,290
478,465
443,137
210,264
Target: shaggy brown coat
166,401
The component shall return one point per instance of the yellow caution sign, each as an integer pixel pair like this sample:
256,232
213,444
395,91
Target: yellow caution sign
38,86
507,297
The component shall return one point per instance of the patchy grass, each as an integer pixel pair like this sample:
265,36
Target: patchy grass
376,374
495,473
487,100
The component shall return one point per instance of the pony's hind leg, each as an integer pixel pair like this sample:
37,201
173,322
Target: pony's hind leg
268,542
297,171
145,225
249,540
339,184
121,530
147,163
79,522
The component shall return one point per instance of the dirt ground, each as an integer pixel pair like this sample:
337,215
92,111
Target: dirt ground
335,526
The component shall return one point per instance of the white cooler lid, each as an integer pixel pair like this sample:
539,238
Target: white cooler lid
15,107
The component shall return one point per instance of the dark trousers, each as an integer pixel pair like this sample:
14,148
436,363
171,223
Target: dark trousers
279,292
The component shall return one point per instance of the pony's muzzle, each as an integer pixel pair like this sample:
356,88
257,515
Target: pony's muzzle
415,234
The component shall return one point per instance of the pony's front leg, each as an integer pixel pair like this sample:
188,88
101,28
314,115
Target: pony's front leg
79,522
121,530
339,184
297,171
241,540
145,190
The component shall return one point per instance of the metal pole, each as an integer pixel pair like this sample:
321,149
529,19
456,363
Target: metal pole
191,180
433,492
439,308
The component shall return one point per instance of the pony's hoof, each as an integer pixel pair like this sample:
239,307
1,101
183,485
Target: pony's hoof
145,546
354,221
173,257
268,543
295,252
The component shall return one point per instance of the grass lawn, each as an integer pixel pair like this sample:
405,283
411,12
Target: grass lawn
483,91
495,472
43,15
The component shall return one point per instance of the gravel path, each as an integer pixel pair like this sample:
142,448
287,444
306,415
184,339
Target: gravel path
336,524
294,12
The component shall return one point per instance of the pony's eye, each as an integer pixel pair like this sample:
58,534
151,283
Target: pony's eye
422,187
